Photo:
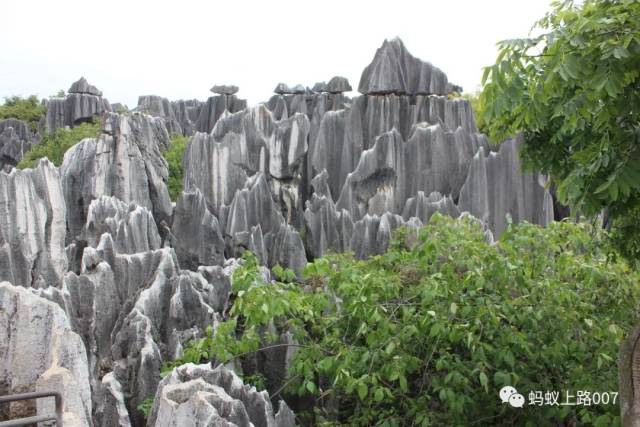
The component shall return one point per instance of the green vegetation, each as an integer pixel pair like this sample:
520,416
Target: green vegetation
431,330
146,405
474,100
53,146
574,91
28,109
174,156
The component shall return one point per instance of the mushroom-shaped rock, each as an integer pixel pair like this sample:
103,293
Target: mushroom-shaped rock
83,86
338,84
225,89
395,70
319,87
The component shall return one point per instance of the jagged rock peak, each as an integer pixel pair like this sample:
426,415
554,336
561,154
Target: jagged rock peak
395,70
83,86
225,89
198,395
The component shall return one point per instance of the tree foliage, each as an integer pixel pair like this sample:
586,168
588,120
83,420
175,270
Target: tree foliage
431,330
174,156
28,109
53,146
574,90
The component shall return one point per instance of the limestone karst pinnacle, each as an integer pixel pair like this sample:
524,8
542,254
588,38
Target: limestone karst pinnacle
134,275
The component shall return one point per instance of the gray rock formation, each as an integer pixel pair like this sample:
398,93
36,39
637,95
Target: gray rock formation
194,395
395,70
39,351
496,186
82,104
15,140
32,226
83,86
158,106
225,89
307,172
132,227
338,84
125,162
197,233
214,108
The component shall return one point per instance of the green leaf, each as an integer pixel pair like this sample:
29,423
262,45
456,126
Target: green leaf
484,381
362,391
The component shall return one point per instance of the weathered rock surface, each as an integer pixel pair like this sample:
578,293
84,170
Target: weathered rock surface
132,227
496,186
125,162
15,140
39,351
395,70
32,226
214,108
83,86
197,232
82,104
338,84
307,172
194,395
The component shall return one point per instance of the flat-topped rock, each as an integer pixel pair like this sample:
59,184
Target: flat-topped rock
83,86
225,89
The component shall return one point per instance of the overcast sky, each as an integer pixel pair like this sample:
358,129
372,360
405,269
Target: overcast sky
180,48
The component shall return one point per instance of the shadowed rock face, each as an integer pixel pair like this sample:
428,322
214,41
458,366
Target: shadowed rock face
15,140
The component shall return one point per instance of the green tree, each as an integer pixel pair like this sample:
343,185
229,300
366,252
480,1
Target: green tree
574,91
53,146
174,156
428,333
28,109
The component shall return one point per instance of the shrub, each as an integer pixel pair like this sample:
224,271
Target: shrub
53,146
430,333
174,156
28,109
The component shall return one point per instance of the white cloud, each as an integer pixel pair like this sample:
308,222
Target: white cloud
179,49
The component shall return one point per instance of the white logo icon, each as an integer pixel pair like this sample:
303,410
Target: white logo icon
511,396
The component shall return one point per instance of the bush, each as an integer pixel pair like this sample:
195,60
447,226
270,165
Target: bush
53,146
28,109
174,156
430,333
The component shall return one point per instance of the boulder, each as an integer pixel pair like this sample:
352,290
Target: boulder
40,352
